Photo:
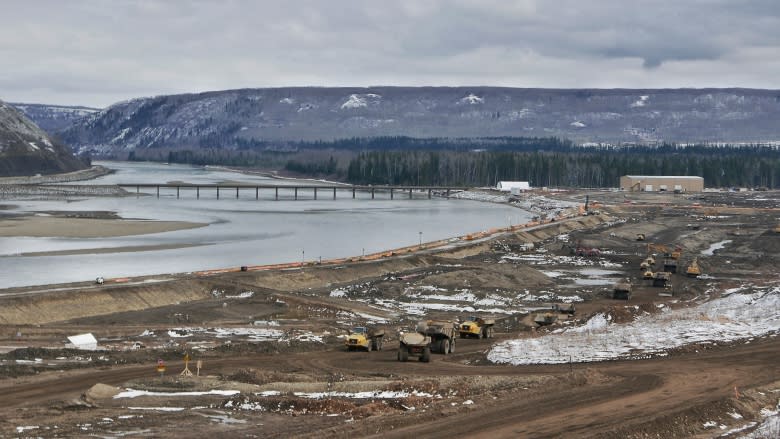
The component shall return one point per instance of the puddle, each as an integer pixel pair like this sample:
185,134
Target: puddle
717,246
592,282
597,272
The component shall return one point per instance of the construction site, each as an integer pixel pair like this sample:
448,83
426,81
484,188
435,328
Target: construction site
635,315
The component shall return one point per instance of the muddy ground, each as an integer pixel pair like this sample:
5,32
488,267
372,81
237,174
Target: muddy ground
271,343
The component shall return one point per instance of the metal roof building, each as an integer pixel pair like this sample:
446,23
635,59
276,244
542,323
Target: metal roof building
661,183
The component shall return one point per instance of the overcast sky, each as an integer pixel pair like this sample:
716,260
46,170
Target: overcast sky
82,52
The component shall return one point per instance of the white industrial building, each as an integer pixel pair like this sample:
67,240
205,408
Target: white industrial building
513,186
84,342
661,183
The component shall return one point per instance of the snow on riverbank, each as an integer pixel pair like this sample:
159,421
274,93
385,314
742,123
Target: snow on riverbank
730,318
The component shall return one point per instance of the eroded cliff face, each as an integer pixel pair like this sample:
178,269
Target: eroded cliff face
25,149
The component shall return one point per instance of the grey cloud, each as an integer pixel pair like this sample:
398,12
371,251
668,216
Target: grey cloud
115,50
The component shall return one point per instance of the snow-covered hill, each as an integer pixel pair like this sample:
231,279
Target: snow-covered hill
25,149
250,116
53,118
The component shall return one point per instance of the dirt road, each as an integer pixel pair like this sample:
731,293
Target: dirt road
585,400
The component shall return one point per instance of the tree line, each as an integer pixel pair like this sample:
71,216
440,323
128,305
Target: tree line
486,161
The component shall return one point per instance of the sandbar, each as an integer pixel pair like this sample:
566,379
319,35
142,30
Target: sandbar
52,226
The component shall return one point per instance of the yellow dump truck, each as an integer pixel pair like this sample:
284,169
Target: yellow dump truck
476,327
367,339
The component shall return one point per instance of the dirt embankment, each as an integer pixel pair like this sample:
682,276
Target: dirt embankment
61,306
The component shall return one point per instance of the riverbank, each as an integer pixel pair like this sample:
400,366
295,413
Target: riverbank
83,174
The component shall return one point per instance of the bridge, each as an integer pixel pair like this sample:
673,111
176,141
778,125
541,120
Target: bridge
294,188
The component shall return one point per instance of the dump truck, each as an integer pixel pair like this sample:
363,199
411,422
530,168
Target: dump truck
670,265
640,236
414,344
647,264
442,334
622,291
545,318
362,338
476,327
662,279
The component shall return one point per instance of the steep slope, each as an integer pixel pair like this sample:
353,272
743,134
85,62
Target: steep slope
250,116
53,118
25,149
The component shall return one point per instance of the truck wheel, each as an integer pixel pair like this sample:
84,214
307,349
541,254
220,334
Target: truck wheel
479,335
462,335
452,346
426,355
368,346
379,345
403,354
445,347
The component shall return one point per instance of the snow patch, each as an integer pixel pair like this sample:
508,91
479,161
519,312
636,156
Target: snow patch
641,102
578,124
731,318
472,99
361,100
131,393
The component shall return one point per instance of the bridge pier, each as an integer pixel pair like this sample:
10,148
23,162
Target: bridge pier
137,191
315,193
353,192
177,192
197,192
217,192
391,193
236,192
158,191
296,193
257,193
372,193
429,193
410,194
334,193
277,193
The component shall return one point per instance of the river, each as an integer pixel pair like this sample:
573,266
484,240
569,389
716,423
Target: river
241,231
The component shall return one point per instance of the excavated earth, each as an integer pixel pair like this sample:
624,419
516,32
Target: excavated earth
267,347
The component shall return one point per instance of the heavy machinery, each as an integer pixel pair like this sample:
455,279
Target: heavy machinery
564,308
648,274
622,291
640,236
693,269
662,279
363,338
476,327
670,265
414,344
647,264
442,334
545,318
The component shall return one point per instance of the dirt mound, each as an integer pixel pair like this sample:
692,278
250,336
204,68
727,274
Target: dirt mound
489,277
